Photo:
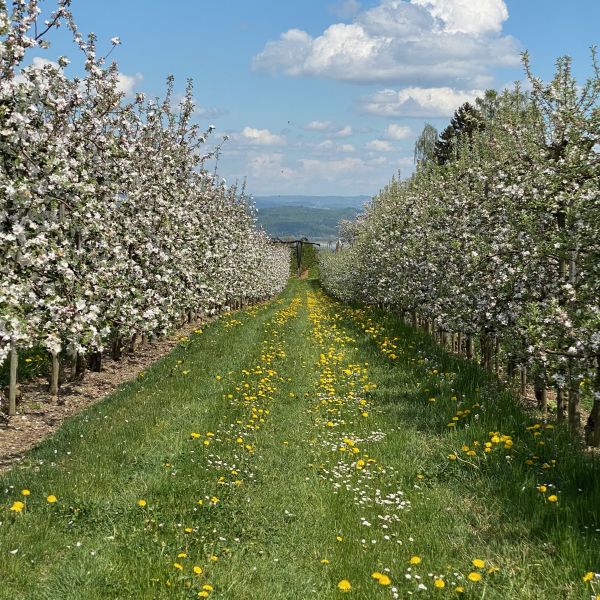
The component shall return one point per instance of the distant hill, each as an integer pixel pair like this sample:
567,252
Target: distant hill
303,221
324,202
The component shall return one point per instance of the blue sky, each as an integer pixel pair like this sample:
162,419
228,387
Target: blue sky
328,96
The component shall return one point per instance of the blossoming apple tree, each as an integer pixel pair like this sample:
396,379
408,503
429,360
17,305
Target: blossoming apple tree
112,230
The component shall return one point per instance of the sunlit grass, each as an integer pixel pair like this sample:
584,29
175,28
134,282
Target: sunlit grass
249,460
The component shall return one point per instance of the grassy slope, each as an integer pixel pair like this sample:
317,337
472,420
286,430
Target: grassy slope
298,490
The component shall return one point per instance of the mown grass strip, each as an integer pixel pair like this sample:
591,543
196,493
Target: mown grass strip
333,451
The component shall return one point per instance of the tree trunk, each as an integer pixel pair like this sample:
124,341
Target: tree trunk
487,351
510,369
81,366
459,342
74,361
560,405
540,393
523,382
12,386
54,375
413,315
133,343
117,350
469,348
95,362
574,406
497,356
592,427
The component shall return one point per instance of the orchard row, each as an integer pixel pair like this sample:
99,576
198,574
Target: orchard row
112,228
494,242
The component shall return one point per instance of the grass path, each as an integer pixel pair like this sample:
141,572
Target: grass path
303,449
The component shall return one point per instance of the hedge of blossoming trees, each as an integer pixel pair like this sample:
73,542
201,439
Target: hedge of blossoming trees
494,243
112,230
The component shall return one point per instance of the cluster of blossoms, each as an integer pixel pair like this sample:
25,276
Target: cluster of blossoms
111,226
497,246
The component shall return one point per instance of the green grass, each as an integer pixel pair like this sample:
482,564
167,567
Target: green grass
298,491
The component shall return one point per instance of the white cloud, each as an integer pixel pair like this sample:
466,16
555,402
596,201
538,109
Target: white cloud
326,145
270,166
319,126
330,146
432,42
345,9
330,170
37,63
418,102
262,137
397,132
468,16
343,132
209,113
379,146
128,83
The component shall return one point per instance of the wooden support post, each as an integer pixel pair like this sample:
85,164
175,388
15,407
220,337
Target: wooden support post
574,409
560,405
12,386
54,375
469,346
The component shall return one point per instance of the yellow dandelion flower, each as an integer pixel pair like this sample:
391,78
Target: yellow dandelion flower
181,555
472,576
214,558
203,594
208,588
415,560
588,576
324,561
439,583
339,538
344,585
178,566
459,589
553,498
197,570
478,563
452,456
384,580
51,499
25,492
17,506
188,530
542,489
141,503
377,575
195,435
